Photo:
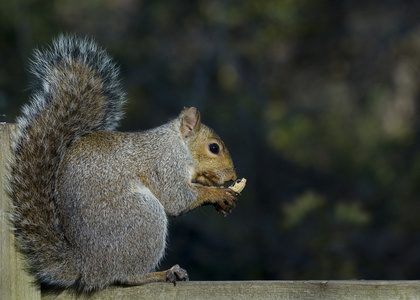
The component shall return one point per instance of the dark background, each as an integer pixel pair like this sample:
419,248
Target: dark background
318,102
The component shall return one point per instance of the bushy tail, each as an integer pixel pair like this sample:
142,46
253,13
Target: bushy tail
76,91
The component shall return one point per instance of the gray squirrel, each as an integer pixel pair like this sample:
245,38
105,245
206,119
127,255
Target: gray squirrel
91,204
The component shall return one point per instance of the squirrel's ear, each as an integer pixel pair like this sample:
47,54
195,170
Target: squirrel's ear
190,121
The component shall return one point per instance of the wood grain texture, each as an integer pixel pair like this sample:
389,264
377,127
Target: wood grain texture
15,283
243,290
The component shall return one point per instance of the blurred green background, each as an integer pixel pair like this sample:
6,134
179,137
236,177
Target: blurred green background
318,102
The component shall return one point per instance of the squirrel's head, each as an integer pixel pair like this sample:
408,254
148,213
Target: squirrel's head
212,162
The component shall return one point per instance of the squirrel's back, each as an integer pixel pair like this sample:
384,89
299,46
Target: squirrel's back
76,91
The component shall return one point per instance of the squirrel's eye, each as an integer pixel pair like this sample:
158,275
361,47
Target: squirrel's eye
214,148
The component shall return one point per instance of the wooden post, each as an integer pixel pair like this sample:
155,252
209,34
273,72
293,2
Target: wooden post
15,283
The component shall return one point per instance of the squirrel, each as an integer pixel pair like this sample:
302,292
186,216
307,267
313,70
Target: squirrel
91,204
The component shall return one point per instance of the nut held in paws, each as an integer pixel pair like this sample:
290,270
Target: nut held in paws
238,186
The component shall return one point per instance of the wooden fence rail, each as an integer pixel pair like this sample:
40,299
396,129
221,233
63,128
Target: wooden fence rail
16,284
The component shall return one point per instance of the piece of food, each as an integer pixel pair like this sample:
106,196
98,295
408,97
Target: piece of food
238,186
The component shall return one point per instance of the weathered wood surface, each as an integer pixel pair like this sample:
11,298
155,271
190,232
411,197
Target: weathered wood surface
15,283
254,290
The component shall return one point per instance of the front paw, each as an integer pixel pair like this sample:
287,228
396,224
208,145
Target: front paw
227,201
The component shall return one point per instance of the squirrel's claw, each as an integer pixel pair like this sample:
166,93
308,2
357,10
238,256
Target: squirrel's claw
225,205
176,273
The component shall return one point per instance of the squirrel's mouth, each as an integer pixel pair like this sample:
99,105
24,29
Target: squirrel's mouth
218,178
